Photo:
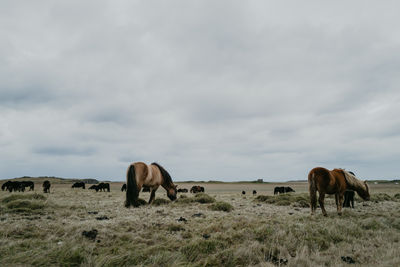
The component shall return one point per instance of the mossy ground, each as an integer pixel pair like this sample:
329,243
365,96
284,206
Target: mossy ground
46,230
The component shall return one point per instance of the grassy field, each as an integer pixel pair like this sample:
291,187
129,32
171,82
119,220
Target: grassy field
219,228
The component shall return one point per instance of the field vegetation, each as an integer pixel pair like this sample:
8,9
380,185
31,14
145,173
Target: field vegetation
75,227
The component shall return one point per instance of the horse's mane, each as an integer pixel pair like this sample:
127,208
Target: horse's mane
353,182
164,173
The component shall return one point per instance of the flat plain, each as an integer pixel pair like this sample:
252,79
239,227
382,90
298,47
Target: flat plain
223,227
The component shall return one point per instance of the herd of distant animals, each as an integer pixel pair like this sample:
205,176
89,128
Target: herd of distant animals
147,178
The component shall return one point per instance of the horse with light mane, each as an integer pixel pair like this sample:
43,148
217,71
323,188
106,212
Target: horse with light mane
335,182
140,174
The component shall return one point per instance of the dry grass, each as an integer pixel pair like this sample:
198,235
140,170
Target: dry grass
220,228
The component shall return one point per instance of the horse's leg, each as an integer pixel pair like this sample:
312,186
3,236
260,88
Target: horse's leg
340,196
152,196
321,203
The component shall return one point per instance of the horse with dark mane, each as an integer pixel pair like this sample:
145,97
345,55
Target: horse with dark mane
13,186
101,187
334,182
182,190
140,174
283,189
29,184
123,188
78,185
196,189
46,186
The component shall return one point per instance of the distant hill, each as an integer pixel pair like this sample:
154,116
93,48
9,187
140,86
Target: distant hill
56,180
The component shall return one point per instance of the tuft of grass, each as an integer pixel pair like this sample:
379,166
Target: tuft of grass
221,206
175,228
160,201
199,198
203,198
14,197
25,205
379,197
296,200
199,249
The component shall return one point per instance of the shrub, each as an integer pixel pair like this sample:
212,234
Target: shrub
221,206
203,198
34,196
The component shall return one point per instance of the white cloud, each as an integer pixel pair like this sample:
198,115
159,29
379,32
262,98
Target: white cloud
211,90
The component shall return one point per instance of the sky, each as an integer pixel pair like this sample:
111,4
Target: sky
211,90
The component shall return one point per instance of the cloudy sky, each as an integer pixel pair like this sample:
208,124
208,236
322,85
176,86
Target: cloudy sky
221,90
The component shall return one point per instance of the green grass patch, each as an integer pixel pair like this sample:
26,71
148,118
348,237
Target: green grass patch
296,200
160,201
221,206
14,197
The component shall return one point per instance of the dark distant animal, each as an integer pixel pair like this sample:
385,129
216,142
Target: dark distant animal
123,188
254,192
14,186
182,190
348,199
29,184
101,187
78,185
282,189
334,182
93,187
140,174
104,187
196,189
146,189
5,185
46,186
243,192
288,189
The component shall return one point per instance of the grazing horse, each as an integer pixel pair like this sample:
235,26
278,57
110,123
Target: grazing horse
13,186
123,188
182,190
101,187
78,184
335,182
29,184
46,186
283,189
196,189
140,174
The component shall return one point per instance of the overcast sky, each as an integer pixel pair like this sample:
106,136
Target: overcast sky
212,90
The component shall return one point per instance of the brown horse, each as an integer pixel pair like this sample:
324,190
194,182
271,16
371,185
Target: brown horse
140,174
335,182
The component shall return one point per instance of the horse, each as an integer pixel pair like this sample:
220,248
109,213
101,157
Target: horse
348,199
196,189
78,184
288,189
254,192
101,187
123,188
335,182
182,190
46,186
29,184
13,186
243,192
140,174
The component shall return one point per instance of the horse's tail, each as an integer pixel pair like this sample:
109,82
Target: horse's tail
132,192
313,191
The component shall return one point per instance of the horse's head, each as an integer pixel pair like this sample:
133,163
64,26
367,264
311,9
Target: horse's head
364,193
171,192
